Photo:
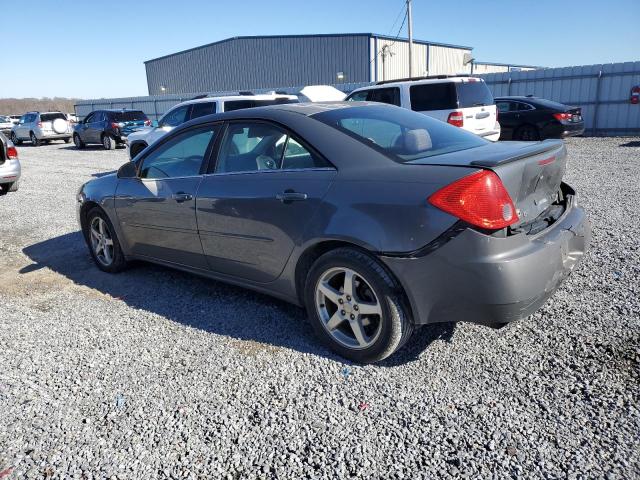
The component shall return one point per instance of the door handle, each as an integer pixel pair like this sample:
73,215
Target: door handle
291,196
182,197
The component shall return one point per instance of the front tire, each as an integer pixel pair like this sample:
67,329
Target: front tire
15,139
108,143
103,242
356,307
34,140
77,141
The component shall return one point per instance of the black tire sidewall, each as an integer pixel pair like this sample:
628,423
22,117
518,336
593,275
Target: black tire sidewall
79,143
394,313
119,262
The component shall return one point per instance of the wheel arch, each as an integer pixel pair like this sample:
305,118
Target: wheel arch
137,146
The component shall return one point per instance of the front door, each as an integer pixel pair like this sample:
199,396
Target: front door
254,208
157,210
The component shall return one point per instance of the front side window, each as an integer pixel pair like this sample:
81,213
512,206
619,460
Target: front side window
181,156
203,108
256,146
358,96
175,117
400,134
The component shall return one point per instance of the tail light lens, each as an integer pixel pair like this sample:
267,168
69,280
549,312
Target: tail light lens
564,116
456,119
12,152
39,124
479,199
147,123
115,125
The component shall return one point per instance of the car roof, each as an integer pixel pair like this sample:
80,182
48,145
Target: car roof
534,101
422,81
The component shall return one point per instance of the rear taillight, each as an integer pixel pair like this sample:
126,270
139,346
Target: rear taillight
562,116
456,119
12,152
115,125
479,199
147,123
39,124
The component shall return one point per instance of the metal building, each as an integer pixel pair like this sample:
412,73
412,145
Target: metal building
241,63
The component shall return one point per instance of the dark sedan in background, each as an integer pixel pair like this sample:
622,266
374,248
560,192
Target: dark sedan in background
531,118
108,127
374,217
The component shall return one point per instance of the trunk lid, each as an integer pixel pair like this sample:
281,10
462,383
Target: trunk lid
531,172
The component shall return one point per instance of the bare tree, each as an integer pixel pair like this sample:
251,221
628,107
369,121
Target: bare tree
18,106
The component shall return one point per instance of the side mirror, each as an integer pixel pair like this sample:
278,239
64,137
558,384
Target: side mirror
154,124
128,170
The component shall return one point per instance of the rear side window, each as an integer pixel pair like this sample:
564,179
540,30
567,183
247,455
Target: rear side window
50,117
400,134
433,96
129,116
473,94
202,109
239,104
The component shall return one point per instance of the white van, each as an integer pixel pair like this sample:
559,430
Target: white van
465,102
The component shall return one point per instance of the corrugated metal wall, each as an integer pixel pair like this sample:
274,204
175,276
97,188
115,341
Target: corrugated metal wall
447,60
479,69
261,62
602,91
393,59
157,105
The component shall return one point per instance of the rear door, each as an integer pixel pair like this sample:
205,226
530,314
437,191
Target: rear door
95,127
509,118
477,104
157,209
254,207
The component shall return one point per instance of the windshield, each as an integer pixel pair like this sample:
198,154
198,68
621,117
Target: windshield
399,133
129,116
474,94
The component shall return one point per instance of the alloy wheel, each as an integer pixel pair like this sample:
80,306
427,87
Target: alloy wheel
106,142
101,241
348,308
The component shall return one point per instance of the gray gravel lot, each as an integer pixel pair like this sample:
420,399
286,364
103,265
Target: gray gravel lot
158,374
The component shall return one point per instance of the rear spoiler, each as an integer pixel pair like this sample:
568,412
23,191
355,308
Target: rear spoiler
528,151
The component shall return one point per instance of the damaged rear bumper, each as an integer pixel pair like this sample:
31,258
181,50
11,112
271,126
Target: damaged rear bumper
488,280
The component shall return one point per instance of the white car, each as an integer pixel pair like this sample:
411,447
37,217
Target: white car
9,166
5,124
465,102
199,107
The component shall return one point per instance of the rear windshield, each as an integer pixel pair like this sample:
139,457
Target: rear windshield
473,94
129,116
399,133
238,104
433,96
50,117
549,104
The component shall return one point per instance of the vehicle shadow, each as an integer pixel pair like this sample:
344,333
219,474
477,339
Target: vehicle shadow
90,148
631,143
201,303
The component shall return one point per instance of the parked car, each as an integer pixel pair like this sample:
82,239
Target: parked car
9,166
73,118
199,107
376,218
532,118
109,127
464,102
5,125
38,127
15,118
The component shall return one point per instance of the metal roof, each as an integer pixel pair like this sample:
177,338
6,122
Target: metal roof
497,64
258,37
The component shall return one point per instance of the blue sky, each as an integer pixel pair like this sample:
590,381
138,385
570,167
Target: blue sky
93,49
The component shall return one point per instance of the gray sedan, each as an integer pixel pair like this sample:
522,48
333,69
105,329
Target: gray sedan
375,218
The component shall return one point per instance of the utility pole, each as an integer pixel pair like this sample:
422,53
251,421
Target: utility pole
410,27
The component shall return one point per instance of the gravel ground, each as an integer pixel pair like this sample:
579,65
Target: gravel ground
158,374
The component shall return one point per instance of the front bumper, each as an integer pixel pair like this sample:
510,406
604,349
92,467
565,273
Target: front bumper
488,280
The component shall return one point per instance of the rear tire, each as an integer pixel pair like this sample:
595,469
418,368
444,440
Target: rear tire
337,312
34,140
108,143
77,141
528,133
103,242
15,139
14,187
